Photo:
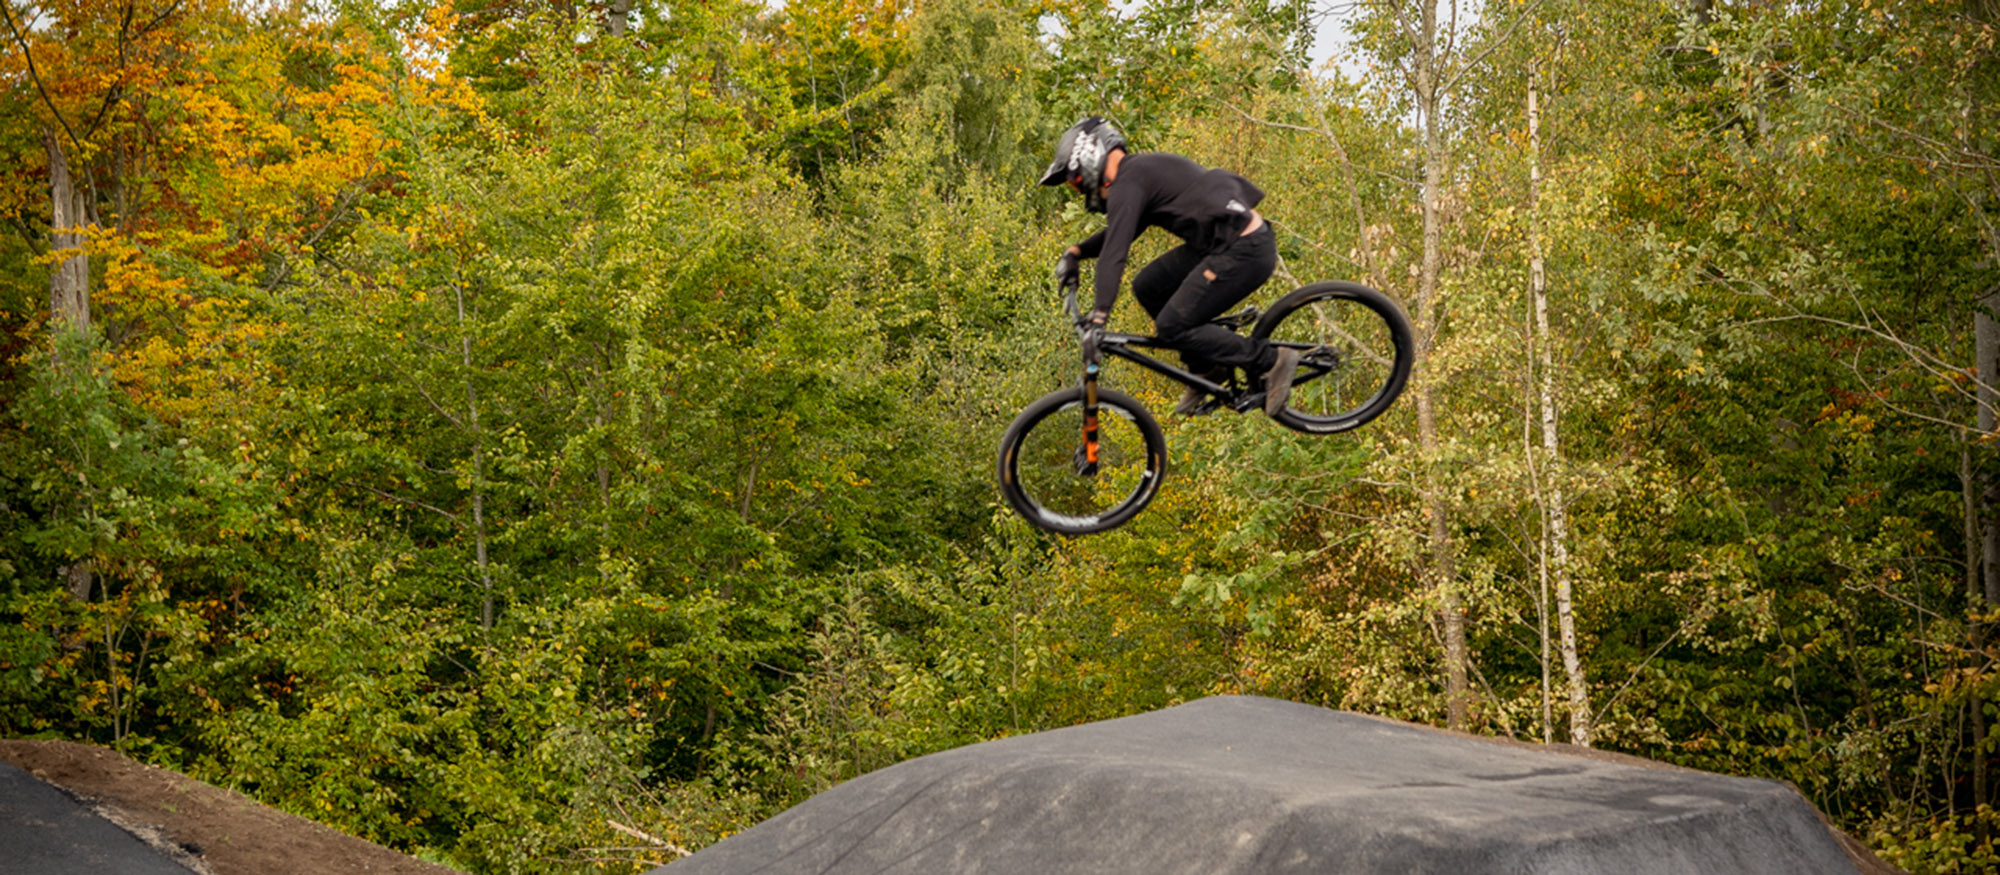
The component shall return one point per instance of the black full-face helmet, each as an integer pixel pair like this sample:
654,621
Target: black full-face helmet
1080,158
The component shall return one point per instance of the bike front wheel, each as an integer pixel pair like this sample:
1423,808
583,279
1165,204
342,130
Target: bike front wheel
1046,474
1355,353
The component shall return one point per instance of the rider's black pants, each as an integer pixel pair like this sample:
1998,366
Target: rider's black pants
1186,287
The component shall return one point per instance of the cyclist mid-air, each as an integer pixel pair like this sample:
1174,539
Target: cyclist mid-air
1326,357
1227,251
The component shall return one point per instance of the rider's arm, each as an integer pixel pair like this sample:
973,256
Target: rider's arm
1111,245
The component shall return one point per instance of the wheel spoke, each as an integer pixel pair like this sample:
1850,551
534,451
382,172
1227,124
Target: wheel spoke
1354,344
1051,473
1045,476
1358,346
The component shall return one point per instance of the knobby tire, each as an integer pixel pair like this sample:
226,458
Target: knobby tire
1358,351
1033,462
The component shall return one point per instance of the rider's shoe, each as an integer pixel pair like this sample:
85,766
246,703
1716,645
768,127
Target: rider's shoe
1190,403
1194,402
1278,380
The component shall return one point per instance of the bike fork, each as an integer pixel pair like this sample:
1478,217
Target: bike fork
1086,461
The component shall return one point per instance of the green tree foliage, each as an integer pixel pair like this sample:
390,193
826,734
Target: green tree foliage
571,426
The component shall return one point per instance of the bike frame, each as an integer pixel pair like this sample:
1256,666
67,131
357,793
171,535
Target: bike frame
1097,344
1067,425
1120,346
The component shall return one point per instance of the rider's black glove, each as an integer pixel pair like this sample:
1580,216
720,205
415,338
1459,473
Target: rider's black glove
1092,324
1090,331
1068,270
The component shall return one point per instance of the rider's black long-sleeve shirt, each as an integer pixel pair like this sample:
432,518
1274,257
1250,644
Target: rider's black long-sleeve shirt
1162,190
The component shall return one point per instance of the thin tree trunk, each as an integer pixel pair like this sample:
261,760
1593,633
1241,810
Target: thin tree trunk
1554,502
1982,515
1362,233
1550,496
1985,328
478,468
69,294
1444,574
1547,659
69,283
114,694
1986,346
1975,605
1542,623
1982,523
619,14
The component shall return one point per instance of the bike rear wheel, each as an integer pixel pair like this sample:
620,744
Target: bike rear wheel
1356,351
1046,479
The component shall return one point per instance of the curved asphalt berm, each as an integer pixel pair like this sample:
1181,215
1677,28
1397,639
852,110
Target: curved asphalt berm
1251,785
43,831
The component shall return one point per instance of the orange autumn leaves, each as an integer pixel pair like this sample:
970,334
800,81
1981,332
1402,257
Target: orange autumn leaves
222,147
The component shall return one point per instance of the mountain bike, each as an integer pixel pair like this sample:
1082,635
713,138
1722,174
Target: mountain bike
1087,459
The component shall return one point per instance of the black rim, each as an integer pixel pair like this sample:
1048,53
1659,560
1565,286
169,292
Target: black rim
1355,346
1039,469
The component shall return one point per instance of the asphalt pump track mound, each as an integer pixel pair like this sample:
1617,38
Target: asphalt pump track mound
1239,784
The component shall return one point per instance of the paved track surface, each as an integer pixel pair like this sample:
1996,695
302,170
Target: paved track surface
43,831
1250,785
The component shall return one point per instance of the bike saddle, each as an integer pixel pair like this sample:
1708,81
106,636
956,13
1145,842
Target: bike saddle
1236,321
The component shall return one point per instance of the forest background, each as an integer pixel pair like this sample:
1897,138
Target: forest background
504,428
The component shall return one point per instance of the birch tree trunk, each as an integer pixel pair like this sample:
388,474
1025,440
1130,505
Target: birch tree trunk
1554,506
1537,286
1547,657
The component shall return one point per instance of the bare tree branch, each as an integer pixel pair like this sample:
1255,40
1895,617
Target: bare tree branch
655,841
21,39
435,405
401,500
1923,358
1613,701
1451,81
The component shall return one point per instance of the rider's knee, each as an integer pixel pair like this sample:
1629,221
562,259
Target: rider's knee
1172,329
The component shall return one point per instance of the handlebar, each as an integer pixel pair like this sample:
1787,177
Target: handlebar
1087,336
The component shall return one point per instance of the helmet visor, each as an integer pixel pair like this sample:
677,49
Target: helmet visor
1058,172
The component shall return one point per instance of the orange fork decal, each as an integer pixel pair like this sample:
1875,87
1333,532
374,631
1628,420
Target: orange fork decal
1089,418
